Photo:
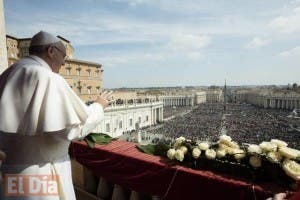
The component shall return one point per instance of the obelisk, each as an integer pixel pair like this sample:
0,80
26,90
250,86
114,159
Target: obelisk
3,50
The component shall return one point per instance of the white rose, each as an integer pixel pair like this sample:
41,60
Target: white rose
210,154
253,148
203,146
255,161
292,169
234,145
180,139
228,143
231,151
239,154
289,152
221,153
196,153
179,155
223,146
171,153
274,157
279,143
184,149
225,138
268,146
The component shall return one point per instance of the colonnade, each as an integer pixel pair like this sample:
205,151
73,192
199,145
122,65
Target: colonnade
282,103
157,115
178,101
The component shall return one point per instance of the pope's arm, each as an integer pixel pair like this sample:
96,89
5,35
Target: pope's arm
95,116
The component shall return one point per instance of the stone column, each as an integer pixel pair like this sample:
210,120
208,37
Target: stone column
155,115
294,104
3,50
285,104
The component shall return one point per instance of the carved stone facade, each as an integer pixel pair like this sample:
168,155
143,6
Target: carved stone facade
214,95
127,117
178,100
84,77
12,49
200,97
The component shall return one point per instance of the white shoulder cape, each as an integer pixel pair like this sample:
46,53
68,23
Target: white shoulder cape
35,100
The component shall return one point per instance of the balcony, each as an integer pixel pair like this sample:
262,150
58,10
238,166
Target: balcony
119,171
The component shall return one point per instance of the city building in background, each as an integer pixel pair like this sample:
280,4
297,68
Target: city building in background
268,98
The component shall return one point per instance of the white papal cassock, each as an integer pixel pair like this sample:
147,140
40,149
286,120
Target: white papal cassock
39,115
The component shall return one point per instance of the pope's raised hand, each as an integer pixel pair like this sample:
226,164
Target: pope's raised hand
105,98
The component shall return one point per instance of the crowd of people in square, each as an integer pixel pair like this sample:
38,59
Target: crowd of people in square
243,122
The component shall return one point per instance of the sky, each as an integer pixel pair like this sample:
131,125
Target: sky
156,43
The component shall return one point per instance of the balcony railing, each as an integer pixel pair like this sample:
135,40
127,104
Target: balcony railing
119,171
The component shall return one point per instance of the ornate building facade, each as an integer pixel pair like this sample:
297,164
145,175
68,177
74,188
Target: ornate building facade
178,100
214,95
268,99
127,117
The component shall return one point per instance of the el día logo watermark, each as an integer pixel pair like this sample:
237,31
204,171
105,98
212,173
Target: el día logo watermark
31,185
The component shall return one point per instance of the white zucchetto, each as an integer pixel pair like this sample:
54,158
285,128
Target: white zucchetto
43,38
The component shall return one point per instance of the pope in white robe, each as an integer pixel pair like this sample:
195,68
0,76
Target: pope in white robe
39,115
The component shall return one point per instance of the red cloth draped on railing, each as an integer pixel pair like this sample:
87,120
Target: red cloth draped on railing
122,163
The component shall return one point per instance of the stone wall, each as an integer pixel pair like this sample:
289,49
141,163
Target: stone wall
3,51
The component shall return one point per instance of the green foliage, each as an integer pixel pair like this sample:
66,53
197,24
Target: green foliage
97,138
158,149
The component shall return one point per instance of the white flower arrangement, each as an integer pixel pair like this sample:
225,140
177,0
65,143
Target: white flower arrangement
275,152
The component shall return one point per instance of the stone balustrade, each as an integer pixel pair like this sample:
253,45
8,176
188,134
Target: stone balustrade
89,187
